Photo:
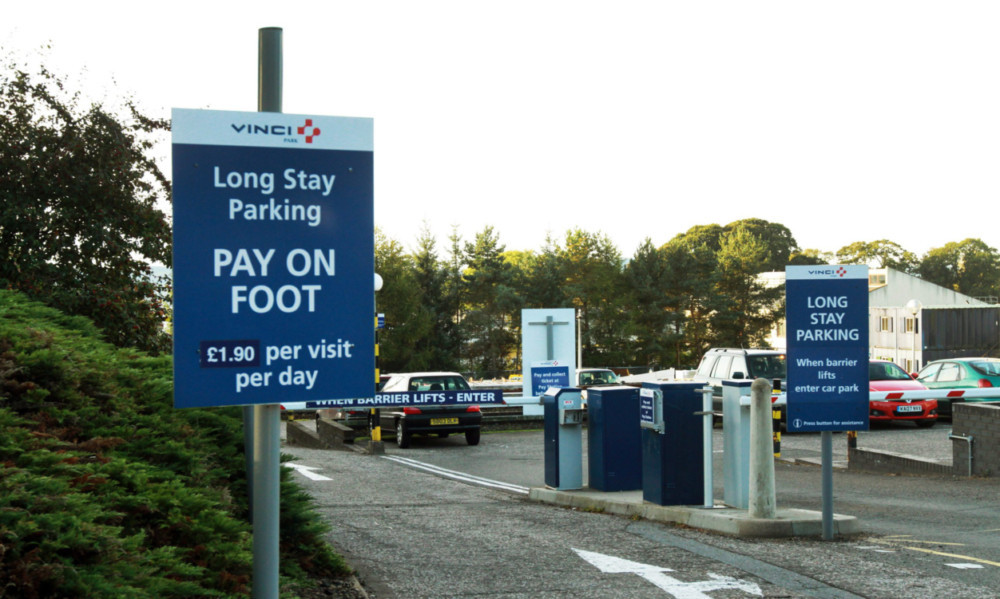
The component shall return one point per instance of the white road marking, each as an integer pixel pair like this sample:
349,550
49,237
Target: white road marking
674,587
459,476
966,566
307,471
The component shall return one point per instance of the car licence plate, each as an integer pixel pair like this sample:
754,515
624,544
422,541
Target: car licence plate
437,421
909,409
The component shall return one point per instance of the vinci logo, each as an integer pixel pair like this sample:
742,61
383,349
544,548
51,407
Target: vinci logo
292,134
838,272
309,131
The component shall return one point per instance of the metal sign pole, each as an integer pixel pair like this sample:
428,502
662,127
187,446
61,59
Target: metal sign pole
267,418
708,463
266,492
826,441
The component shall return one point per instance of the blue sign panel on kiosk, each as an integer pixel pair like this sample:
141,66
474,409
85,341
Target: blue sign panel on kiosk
827,336
548,374
273,258
647,408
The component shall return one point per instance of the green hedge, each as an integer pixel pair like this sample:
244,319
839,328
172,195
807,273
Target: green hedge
106,490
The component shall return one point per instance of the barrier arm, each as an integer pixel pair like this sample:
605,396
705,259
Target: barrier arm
990,392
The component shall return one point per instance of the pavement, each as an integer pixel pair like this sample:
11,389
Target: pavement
721,519
904,450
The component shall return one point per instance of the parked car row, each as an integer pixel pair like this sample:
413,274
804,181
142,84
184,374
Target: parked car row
718,364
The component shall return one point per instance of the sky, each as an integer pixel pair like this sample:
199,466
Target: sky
844,121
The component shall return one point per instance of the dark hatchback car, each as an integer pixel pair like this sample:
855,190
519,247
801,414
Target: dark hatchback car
431,420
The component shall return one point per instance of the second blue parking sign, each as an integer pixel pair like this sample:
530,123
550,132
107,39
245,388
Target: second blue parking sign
827,337
273,258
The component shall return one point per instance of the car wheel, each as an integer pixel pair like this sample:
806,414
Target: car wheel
472,437
925,423
402,435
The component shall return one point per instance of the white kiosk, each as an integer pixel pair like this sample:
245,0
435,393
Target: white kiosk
548,354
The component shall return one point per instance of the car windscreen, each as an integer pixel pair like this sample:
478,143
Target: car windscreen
438,383
886,371
605,377
986,367
768,366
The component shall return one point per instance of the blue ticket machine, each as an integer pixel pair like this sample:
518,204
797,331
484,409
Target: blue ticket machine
672,450
563,410
614,441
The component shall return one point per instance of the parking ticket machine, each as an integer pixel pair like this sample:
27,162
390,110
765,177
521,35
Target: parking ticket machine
563,409
614,442
672,449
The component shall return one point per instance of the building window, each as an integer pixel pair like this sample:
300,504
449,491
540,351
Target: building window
885,324
910,325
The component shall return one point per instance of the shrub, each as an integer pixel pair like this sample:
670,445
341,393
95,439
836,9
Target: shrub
106,490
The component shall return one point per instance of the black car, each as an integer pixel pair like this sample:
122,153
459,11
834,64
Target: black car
440,420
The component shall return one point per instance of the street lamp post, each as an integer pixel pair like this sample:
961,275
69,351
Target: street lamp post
914,307
579,339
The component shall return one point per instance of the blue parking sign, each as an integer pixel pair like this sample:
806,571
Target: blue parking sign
548,374
273,258
827,339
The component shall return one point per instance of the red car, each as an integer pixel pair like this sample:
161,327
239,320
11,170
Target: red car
886,376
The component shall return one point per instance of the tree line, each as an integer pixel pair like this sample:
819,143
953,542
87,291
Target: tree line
661,307
81,222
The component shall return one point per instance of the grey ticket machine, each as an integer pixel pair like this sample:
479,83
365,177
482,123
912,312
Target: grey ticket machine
736,443
563,409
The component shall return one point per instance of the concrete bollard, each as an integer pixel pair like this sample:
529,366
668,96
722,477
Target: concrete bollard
762,495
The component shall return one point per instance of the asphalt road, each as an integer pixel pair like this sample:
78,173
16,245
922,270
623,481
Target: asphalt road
416,533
